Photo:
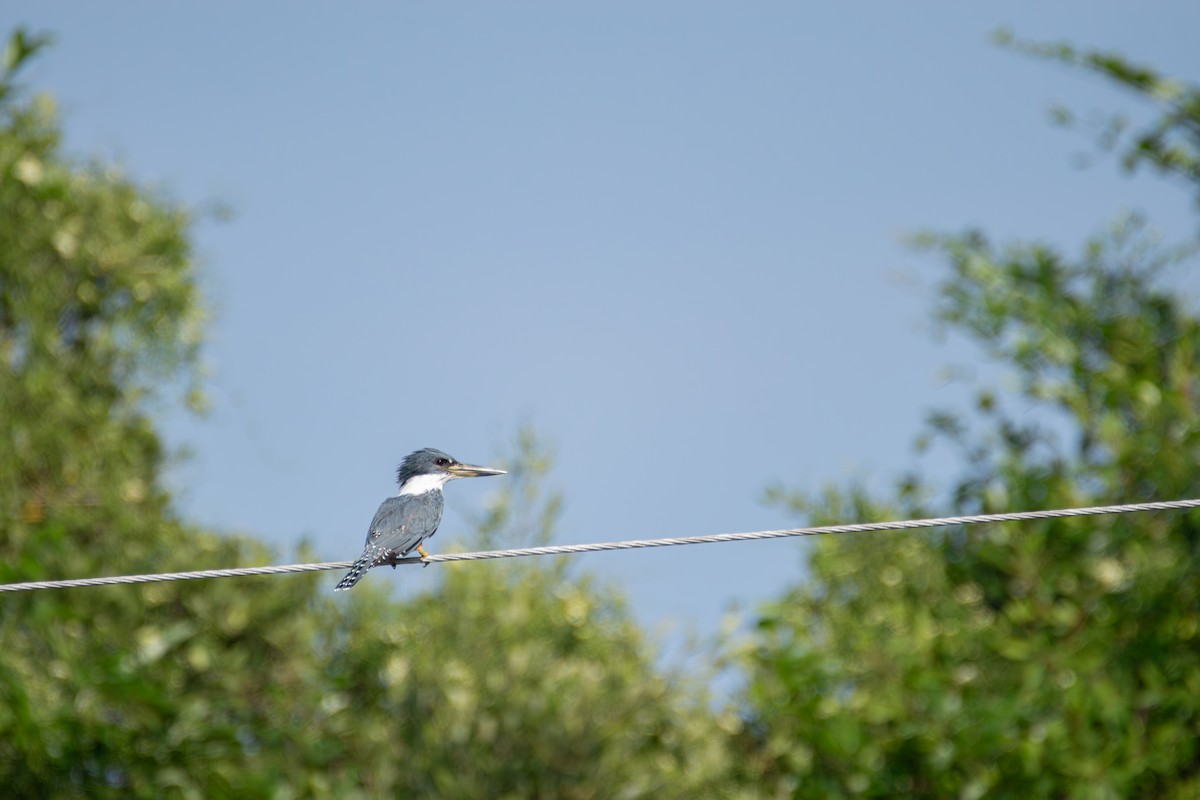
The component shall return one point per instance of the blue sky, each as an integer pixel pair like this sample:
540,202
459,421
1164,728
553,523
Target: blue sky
667,235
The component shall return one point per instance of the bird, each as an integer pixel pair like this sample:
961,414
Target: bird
403,522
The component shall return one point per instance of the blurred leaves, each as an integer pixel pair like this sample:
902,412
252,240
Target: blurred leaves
18,51
1058,659
514,682
1170,143
505,681
521,517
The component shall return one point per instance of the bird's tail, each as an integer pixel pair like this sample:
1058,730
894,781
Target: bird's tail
359,568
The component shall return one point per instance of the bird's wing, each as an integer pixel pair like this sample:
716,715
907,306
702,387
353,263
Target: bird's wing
403,522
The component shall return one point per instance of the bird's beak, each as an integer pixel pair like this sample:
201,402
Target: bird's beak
470,471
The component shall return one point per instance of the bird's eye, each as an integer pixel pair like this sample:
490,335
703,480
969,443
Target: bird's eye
442,462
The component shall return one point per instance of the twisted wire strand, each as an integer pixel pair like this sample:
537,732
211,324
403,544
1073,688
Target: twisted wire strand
633,544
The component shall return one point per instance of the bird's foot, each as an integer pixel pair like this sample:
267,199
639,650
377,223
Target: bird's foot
424,555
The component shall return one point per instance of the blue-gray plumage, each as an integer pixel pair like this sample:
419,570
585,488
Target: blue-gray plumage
403,522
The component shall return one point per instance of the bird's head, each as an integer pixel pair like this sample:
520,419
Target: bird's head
430,469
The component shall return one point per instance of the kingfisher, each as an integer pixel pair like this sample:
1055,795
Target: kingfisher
403,522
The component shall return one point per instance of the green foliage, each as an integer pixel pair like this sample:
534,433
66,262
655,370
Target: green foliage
516,682
526,519
1170,143
97,305
20,48
1056,659
513,682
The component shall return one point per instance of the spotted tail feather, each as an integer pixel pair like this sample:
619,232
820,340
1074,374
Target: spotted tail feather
367,560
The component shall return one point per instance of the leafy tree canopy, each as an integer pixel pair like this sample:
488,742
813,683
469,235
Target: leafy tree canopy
518,681
1057,659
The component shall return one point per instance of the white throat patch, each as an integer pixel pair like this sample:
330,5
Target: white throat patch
420,484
